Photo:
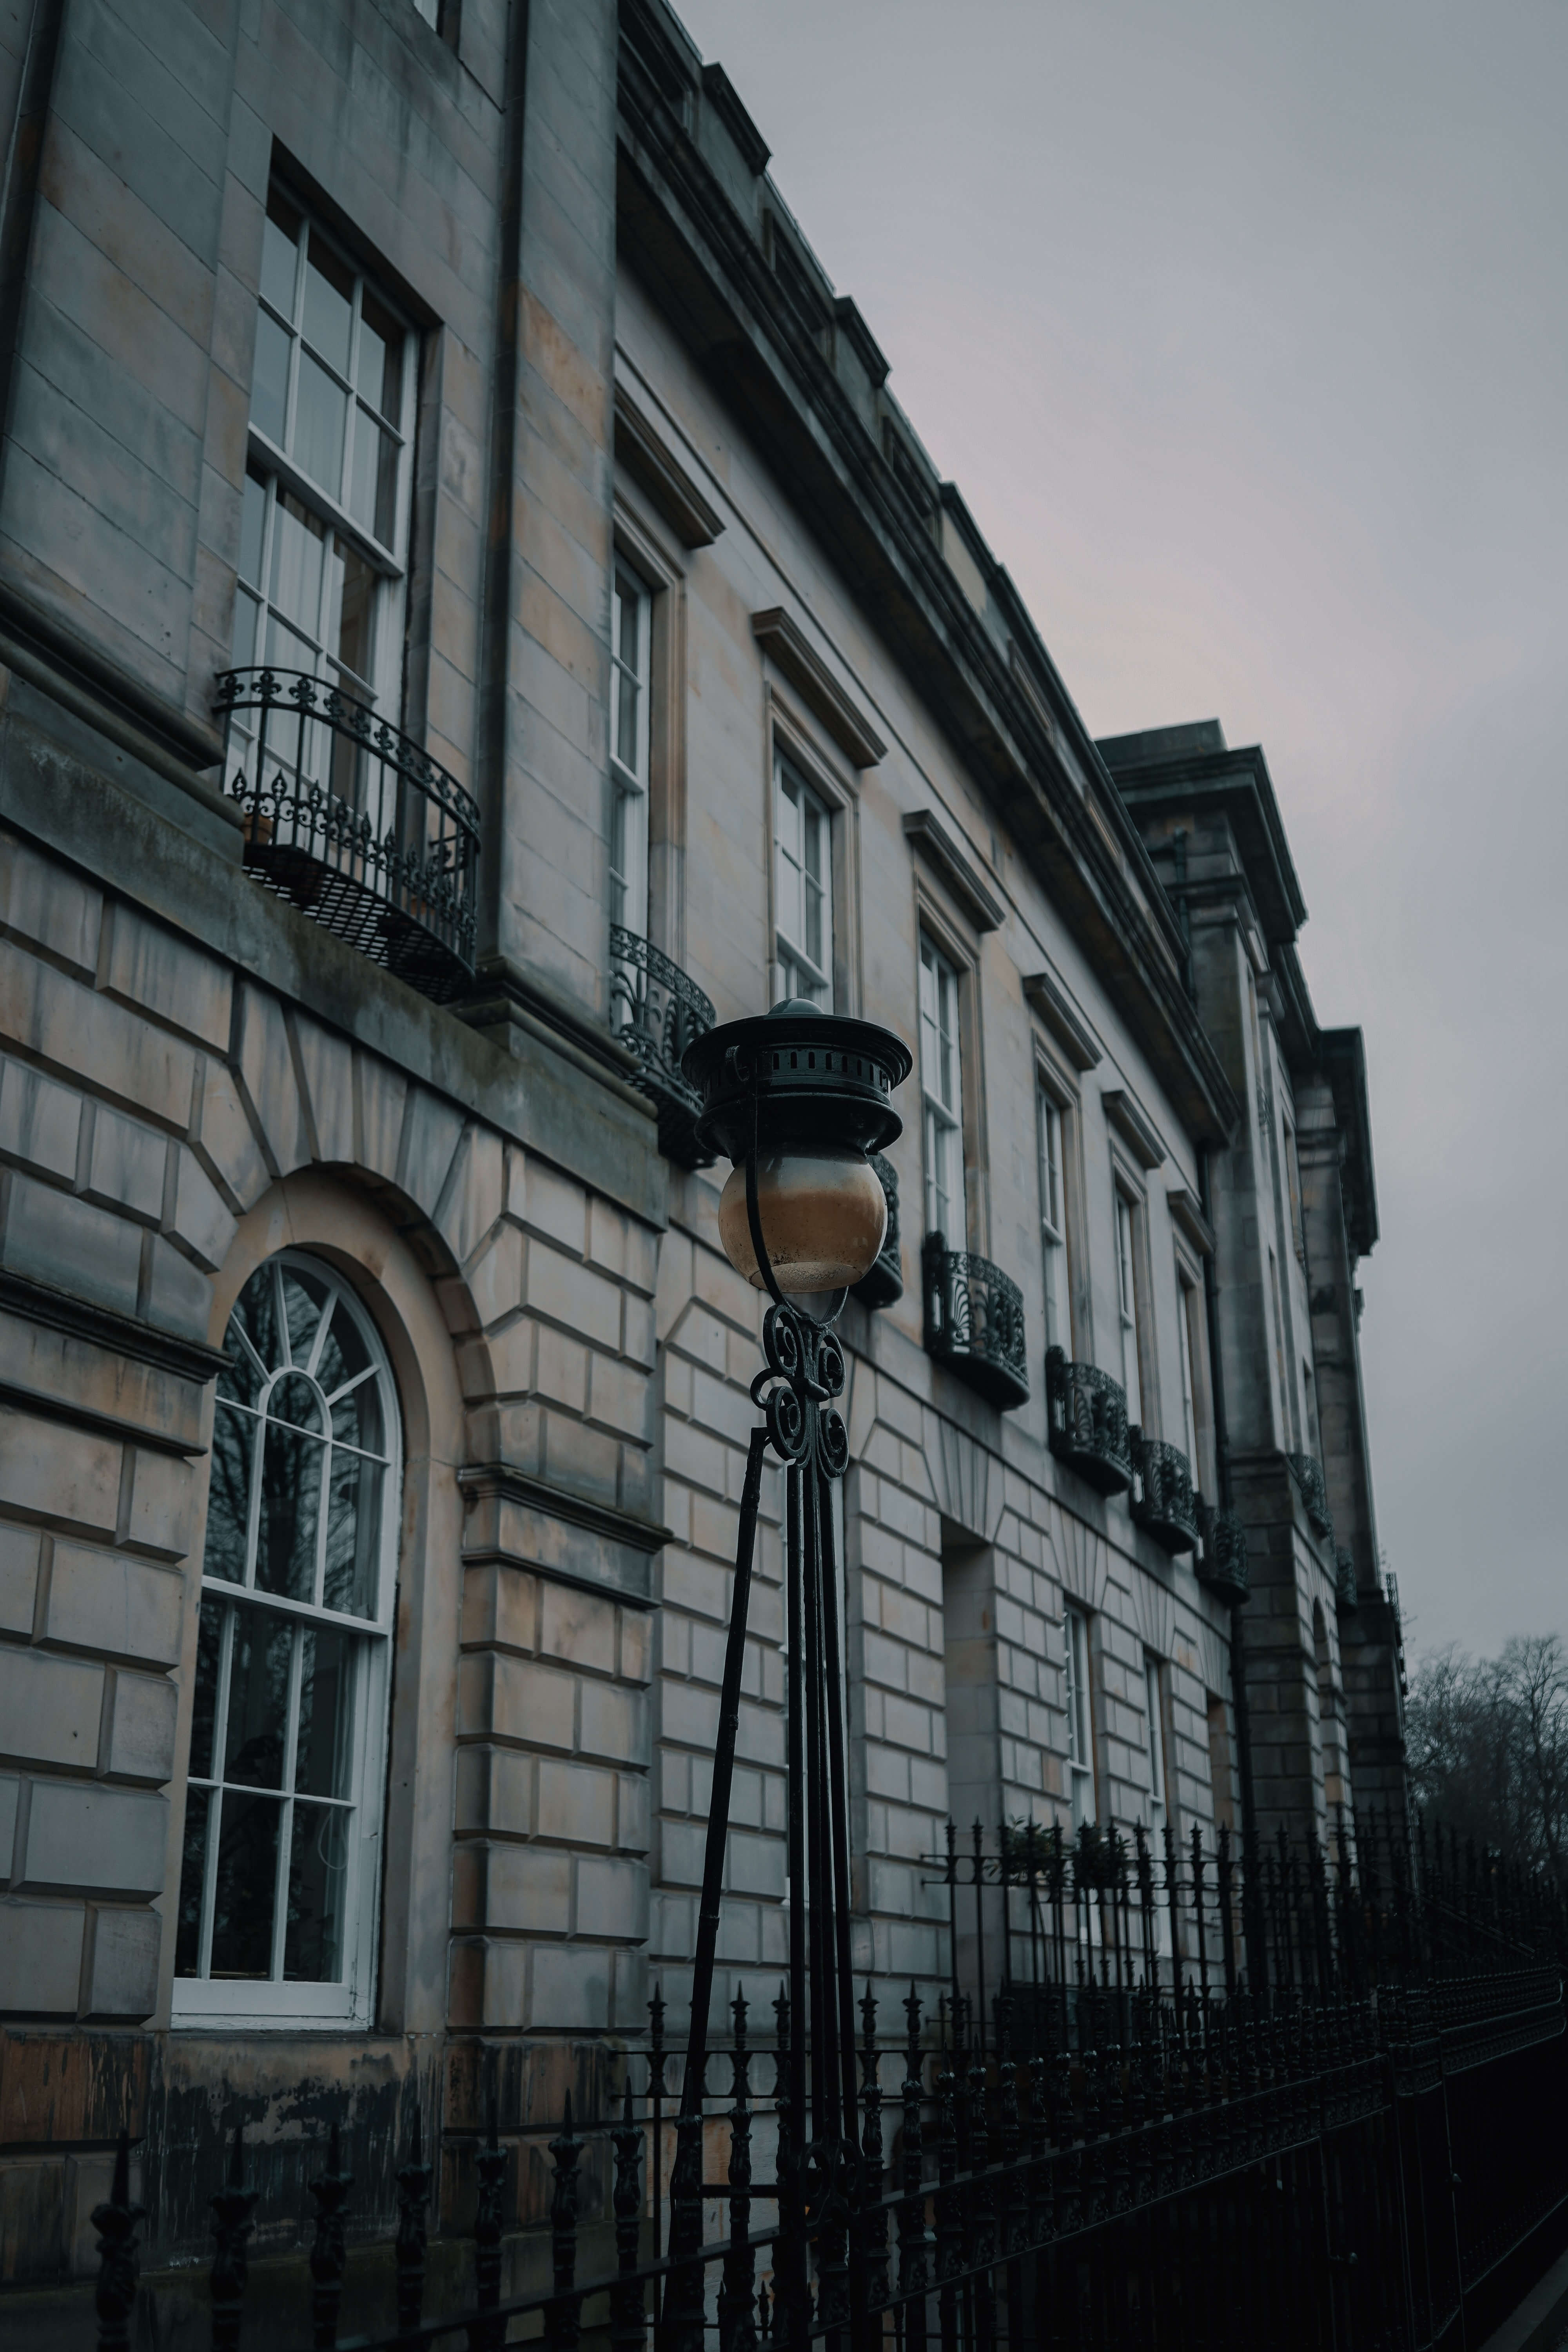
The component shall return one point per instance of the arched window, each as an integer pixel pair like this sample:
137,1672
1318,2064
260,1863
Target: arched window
277,1890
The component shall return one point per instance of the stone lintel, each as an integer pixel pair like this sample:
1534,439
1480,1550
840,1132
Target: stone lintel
1133,1124
926,834
648,458
1062,1014
793,655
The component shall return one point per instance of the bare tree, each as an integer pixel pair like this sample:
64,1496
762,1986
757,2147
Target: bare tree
1486,1740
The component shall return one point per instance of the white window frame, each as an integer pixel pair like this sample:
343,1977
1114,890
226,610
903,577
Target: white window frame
277,466
1127,1301
1281,1368
1293,1180
1186,1296
1078,1693
800,813
207,2002
1051,1118
631,600
941,1090
1154,1708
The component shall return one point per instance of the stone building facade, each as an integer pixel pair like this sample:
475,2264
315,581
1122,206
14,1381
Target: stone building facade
471,611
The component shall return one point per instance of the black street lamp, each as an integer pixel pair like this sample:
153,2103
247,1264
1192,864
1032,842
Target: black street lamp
795,1098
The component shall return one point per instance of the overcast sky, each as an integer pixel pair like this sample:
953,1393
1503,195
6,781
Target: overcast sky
1242,328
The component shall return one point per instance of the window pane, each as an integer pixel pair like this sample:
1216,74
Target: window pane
247,1884
252,526
329,304
380,358
270,379
305,1297
320,413
815,830
247,614
254,1314
257,1722
290,1500
228,1494
286,650
372,491
193,1867
352,625
629,598
626,720
353,1535
297,546
326,1712
209,1645
620,814
279,253
318,1874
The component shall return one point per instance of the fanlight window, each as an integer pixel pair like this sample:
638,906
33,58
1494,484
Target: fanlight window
277,1890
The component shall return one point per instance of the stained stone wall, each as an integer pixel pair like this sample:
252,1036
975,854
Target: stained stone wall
194,1075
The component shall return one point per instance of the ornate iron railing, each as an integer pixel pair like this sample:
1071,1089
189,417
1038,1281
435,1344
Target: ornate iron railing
1309,1476
1345,1591
974,1322
1162,1500
1185,2085
1222,1562
656,1012
1087,1421
885,1283
345,817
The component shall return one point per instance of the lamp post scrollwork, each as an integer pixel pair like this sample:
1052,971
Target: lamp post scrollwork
796,1099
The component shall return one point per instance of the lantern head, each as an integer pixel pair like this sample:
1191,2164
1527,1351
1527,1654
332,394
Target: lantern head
805,1093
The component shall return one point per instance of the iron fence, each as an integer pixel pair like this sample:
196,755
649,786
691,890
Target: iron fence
353,821
1164,2096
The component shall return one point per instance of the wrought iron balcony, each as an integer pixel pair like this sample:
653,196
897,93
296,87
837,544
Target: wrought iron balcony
974,1322
1314,1488
1086,1419
346,817
885,1283
1222,1561
656,1012
1345,1591
1163,1497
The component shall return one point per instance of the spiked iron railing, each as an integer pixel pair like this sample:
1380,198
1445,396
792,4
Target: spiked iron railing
974,1322
1104,2126
1087,1423
1162,1500
346,816
1309,1476
656,1012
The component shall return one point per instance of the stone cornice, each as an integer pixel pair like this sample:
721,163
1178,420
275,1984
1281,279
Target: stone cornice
702,261
107,1328
504,1482
1239,783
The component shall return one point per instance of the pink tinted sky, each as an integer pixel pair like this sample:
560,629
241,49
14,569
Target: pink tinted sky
1242,328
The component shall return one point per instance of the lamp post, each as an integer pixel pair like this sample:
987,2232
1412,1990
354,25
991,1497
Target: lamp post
795,1098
